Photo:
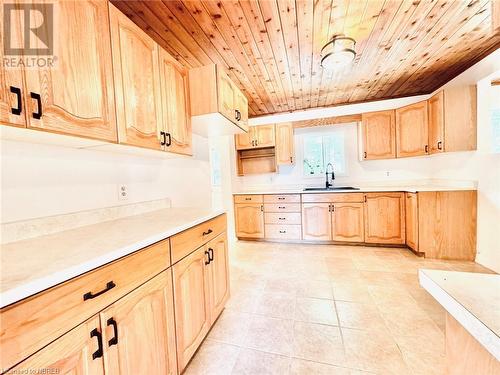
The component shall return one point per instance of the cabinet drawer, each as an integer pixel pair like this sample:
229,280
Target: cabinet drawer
282,207
253,198
282,218
283,232
186,242
282,198
29,325
333,198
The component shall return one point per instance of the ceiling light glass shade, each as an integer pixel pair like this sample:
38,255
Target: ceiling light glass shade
338,52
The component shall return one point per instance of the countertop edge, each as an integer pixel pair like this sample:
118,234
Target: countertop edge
484,335
361,190
33,287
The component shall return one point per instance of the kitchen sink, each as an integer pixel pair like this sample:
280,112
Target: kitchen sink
331,188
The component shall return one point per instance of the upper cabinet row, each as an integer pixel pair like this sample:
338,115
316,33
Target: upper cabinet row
110,82
445,122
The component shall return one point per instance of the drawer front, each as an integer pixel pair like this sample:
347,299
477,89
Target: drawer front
283,232
33,323
254,198
282,218
282,198
188,241
282,207
333,198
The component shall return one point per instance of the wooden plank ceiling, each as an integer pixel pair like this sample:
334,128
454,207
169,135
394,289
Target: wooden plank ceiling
271,48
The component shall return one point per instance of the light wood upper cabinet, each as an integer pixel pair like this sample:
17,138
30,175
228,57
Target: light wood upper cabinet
139,331
245,141
285,144
460,118
226,95
384,218
218,274
347,222
265,136
75,96
137,83
412,130
192,304
12,89
175,104
77,352
411,217
249,220
316,222
241,106
436,123
379,135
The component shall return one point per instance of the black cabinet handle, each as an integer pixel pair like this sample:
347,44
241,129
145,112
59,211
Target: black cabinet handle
281,198
365,154
207,232
163,139
291,159
16,90
98,352
329,208
114,340
281,218
333,208
168,141
440,145
281,207
282,231
38,114
262,208
210,254
248,199
426,149
89,295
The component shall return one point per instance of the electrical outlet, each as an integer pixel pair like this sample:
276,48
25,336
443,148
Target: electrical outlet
122,192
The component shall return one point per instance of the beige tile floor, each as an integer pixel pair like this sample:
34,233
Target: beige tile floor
325,309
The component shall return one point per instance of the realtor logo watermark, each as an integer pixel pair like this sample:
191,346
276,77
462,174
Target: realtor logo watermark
28,35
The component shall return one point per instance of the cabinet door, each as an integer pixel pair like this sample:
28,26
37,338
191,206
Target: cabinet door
12,90
264,136
175,104
316,222
249,220
411,217
384,218
412,130
139,331
219,275
225,90
192,304
241,104
137,83
379,135
72,353
284,144
246,140
76,95
436,123
347,222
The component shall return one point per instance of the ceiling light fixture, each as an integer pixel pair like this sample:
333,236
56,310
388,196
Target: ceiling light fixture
338,52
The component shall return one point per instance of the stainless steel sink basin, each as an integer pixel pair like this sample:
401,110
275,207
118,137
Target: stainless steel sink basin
331,188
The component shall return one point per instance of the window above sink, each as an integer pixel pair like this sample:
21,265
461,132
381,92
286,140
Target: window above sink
322,148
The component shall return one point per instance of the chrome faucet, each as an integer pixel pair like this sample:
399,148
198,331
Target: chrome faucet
327,183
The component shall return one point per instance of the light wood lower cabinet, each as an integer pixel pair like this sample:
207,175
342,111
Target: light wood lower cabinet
201,288
77,352
411,216
384,218
249,220
316,222
139,332
347,222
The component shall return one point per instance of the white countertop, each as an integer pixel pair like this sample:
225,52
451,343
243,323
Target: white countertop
33,265
473,299
362,189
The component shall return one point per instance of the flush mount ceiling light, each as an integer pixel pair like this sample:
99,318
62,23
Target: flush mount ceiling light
338,52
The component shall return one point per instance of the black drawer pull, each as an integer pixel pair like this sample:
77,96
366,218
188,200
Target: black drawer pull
281,207
110,285
207,232
163,138
282,218
19,109
282,231
38,114
248,199
98,352
168,141
210,254
114,340
281,198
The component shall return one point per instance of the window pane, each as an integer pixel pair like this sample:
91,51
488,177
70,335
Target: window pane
334,151
313,155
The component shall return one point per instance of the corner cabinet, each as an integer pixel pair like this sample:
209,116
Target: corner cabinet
384,218
412,130
379,139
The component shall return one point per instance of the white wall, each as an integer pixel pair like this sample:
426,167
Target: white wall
42,180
